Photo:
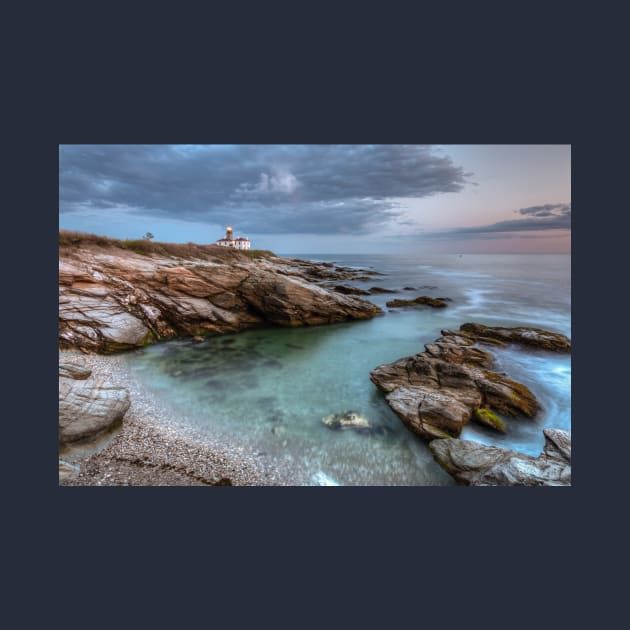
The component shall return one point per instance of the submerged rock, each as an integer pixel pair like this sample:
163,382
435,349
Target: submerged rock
436,392
422,299
88,409
354,420
347,420
474,464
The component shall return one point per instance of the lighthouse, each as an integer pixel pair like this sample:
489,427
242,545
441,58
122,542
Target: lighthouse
241,242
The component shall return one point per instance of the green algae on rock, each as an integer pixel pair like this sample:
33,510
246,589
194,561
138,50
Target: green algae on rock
483,415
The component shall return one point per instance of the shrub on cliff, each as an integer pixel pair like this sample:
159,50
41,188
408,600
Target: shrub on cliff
147,247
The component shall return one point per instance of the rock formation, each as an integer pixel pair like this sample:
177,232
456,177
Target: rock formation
436,392
348,290
112,298
376,290
535,337
474,464
88,408
420,300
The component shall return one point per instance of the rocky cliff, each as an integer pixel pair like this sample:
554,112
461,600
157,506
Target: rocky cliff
116,295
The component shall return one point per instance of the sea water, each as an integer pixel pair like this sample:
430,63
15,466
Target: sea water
270,388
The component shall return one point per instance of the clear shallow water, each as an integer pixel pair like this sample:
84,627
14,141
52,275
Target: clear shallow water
271,388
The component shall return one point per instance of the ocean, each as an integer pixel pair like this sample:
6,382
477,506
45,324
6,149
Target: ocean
269,389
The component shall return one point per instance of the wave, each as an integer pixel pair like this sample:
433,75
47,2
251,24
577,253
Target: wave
454,273
322,479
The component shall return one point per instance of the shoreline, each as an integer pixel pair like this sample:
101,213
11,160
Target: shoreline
157,444
122,295
155,447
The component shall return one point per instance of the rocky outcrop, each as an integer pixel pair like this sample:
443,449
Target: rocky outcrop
324,272
436,392
535,337
112,298
377,290
420,300
474,464
88,407
348,290
77,372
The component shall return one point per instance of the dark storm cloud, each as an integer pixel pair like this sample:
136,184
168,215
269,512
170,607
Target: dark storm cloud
547,210
319,189
537,223
537,219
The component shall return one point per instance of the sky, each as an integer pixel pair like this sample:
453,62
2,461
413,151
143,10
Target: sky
407,199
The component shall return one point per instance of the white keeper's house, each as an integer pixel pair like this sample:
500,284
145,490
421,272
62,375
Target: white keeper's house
229,241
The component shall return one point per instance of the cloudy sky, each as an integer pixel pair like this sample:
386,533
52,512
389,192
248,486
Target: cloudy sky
325,198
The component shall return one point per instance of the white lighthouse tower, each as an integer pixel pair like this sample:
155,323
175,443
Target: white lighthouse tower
241,242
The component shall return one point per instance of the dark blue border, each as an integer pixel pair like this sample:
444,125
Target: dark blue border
372,555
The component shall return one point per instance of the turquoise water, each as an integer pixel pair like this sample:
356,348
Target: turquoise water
270,388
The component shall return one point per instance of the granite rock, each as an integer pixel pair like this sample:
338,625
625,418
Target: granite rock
474,464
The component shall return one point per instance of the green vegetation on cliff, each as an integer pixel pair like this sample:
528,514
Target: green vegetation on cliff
147,248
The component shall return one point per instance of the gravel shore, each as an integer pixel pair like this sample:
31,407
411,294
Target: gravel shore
156,448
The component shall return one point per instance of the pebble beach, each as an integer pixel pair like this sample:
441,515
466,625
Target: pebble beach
154,447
